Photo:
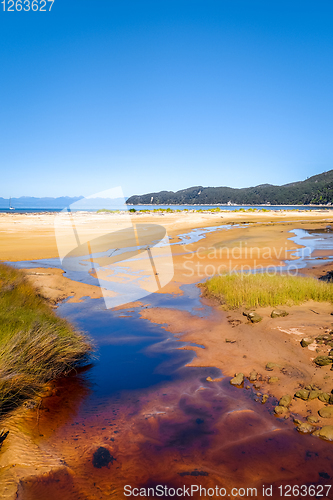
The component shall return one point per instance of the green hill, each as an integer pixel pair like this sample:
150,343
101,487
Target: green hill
317,190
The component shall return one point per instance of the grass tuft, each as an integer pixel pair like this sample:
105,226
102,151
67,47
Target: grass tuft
36,346
261,290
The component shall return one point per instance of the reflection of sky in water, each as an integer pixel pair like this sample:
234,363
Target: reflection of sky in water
310,243
198,234
75,264
134,352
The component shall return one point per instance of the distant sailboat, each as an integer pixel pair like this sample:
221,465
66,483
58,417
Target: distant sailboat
10,205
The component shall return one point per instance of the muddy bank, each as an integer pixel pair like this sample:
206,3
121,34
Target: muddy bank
271,348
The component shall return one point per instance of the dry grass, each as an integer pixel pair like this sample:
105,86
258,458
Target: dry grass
254,290
35,345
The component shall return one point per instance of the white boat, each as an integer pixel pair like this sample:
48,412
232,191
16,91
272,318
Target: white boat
10,205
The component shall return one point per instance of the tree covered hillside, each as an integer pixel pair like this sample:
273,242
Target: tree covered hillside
315,190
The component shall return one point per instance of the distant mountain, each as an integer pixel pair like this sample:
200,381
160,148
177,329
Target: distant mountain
317,190
30,202
76,203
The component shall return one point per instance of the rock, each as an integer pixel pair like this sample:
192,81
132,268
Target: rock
270,366
264,398
328,277
324,397
209,379
312,387
238,379
330,353
254,317
280,410
297,421
102,458
326,412
273,380
253,376
312,419
306,341
302,394
325,432
305,428
279,313
323,360
313,395
285,401
229,341
324,336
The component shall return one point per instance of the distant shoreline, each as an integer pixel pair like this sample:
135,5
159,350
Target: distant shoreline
153,207
221,205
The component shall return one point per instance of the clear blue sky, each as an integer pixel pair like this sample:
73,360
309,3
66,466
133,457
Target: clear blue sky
164,94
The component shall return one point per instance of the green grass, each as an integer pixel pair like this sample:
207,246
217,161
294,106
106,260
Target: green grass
107,211
261,290
36,346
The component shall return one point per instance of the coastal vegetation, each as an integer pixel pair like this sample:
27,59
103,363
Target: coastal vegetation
106,210
317,190
36,346
261,290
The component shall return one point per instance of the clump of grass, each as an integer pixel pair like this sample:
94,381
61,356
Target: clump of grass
261,290
107,211
36,346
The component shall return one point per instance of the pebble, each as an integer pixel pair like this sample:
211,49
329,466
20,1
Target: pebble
238,379
285,401
305,428
326,412
302,394
325,432
264,398
280,410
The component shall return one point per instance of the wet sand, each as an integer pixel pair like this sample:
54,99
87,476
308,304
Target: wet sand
254,240
234,344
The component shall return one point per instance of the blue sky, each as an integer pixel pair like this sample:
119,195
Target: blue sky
164,94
